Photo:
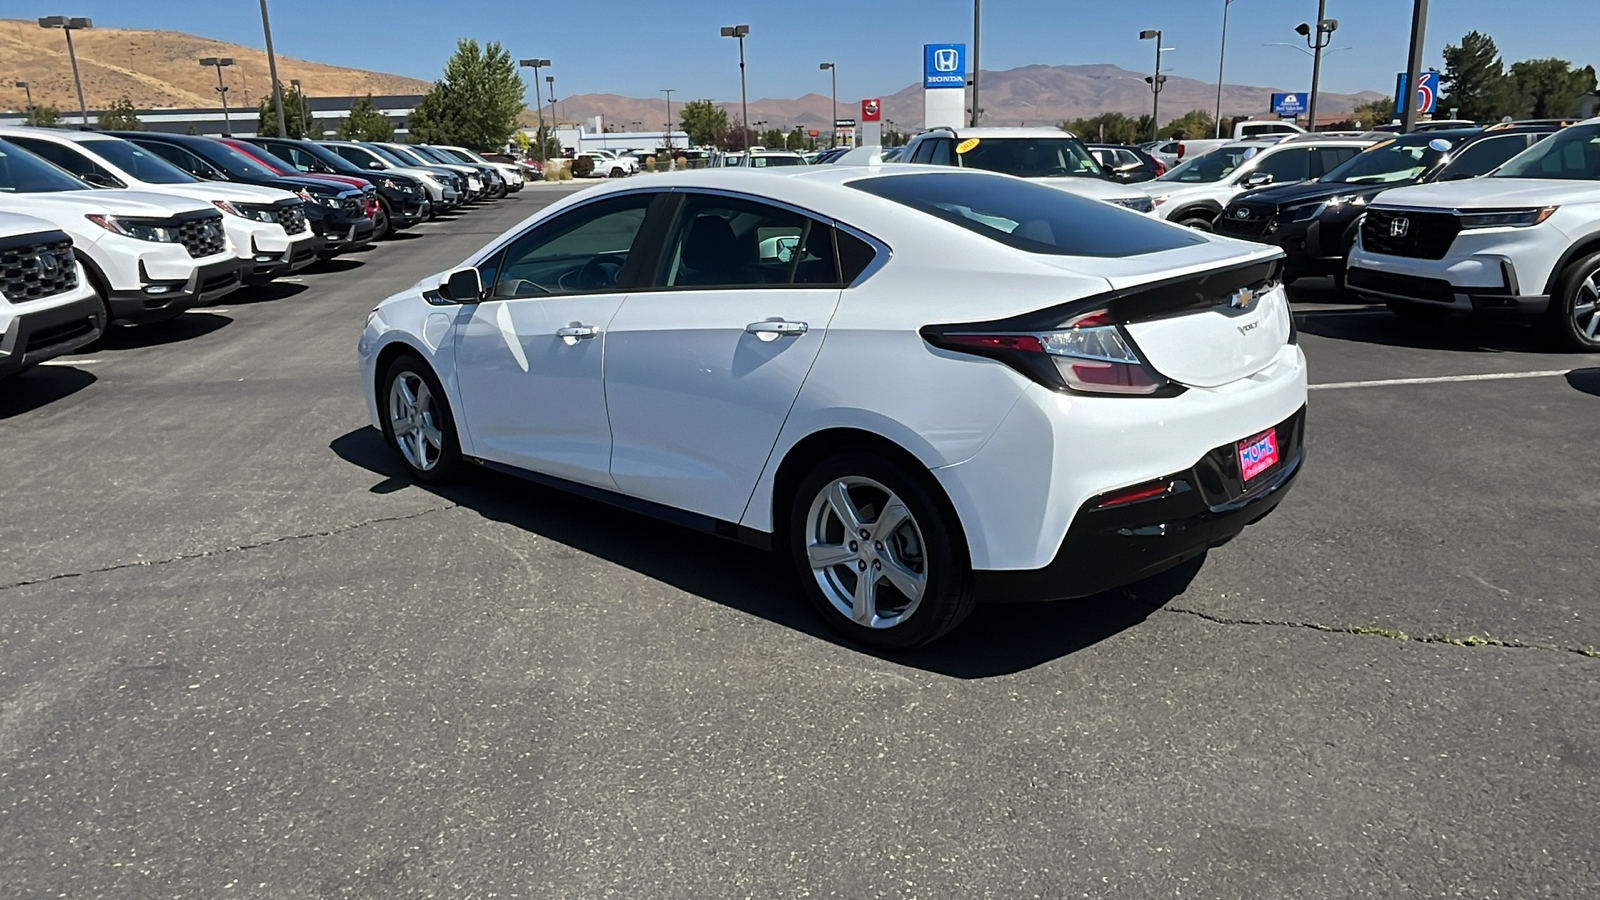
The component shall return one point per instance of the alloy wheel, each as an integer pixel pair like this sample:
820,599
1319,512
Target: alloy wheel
866,552
414,421
1586,307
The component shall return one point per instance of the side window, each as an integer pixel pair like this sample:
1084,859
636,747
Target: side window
356,155
69,159
582,251
728,242
942,155
1286,166
179,157
854,255
1326,159
923,152
1485,156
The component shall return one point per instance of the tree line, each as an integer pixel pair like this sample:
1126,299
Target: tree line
1478,86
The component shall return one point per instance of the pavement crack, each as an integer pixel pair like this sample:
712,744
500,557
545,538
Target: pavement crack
1395,634
205,554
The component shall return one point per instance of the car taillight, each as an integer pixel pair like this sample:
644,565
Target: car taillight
1090,354
1180,151
1161,168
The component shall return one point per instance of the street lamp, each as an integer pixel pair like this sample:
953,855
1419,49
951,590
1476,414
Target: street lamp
1317,38
739,31
218,62
668,129
1222,57
535,64
1155,81
272,69
70,24
833,141
550,83
27,86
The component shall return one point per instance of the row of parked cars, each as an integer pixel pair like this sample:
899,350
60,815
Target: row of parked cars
106,229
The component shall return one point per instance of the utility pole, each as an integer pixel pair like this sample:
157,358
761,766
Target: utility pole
739,31
977,22
668,92
1419,27
272,68
1317,38
833,140
538,102
1222,57
1155,81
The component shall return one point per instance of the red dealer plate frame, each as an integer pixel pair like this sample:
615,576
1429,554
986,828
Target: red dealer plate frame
1258,454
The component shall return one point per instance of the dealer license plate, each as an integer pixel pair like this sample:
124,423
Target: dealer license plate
1258,454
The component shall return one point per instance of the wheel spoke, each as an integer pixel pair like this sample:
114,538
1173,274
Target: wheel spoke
432,435
424,397
904,580
864,607
406,394
844,507
419,446
826,556
1594,323
894,515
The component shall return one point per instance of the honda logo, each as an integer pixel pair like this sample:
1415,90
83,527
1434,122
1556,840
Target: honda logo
1400,226
48,265
1242,214
946,59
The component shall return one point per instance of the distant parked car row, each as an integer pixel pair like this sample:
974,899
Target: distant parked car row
101,229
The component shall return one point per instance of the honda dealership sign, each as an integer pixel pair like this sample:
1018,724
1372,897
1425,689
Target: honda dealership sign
944,67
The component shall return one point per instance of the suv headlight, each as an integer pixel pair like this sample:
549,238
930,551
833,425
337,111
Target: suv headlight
1137,204
329,202
244,211
1354,201
1507,218
159,232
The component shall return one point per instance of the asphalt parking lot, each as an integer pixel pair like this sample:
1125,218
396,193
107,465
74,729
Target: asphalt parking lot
241,656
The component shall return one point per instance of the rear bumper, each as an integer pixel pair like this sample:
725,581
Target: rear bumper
156,300
33,337
1205,506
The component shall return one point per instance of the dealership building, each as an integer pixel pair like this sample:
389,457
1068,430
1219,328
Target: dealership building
326,114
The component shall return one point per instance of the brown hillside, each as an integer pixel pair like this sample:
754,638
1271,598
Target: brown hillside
161,68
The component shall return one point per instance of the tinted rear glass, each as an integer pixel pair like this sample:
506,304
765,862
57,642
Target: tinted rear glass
1028,216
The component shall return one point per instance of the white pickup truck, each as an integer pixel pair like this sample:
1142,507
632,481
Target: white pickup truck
1173,152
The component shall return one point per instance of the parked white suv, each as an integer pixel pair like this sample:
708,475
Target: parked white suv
1523,242
1034,395
1196,191
1050,155
149,256
508,171
266,226
47,307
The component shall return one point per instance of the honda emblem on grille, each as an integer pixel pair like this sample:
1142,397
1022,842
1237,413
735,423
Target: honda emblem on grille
48,265
1400,226
1242,298
1242,214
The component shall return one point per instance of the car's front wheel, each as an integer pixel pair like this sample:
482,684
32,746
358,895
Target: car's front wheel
416,420
1574,316
878,555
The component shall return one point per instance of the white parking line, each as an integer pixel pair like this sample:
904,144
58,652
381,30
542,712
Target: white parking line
1442,379
68,362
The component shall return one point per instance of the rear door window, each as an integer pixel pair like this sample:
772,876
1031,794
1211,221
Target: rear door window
1286,166
733,242
1485,156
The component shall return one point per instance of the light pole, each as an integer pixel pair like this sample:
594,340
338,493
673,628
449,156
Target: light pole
1221,58
535,65
27,86
668,129
977,18
222,89
833,140
272,69
739,31
69,24
550,82
1155,81
1317,38
1419,25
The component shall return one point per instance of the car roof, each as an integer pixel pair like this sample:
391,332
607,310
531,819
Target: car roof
997,131
60,134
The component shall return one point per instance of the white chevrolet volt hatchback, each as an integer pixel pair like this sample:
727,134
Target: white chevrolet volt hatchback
928,387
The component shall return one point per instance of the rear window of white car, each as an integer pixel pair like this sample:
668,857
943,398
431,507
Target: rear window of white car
1030,216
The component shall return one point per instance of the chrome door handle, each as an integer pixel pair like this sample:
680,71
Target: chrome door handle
772,329
574,333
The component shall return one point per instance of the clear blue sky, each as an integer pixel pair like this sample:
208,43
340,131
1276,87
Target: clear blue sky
635,48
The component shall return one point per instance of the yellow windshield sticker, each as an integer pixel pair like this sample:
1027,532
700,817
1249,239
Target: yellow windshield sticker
966,145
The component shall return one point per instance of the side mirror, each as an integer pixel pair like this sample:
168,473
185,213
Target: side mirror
375,166
463,286
1259,179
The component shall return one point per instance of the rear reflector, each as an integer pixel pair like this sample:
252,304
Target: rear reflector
1025,342
1135,493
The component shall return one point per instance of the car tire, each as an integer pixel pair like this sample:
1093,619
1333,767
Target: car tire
837,530
616,172
381,223
417,422
1573,319
105,310
1198,223
1417,313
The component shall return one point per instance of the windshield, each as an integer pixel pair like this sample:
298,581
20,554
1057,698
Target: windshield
387,155
1040,157
465,154
757,162
332,160
410,153
1212,167
277,162
138,162
23,173
230,160
1391,162
1572,153
1029,216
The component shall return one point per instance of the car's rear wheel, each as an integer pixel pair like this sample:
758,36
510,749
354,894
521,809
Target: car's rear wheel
1573,319
1417,313
381,222
877,553
1198,223
416,420
616,172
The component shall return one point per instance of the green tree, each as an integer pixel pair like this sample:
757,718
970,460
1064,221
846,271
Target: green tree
477,102
705,123
1474,78
296,115
120,117
1545,88
1373,113
192,130
1195,124
43,116
544,137
772,137
365,123
1108,127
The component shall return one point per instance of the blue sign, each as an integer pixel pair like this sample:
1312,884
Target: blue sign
944,65
1427,92
1290,104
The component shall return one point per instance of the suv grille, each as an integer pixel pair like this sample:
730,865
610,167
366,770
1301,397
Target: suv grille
292,217
1419,235
351,207
37,265
203,235
1256,221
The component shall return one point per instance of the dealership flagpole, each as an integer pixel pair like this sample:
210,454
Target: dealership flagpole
977,21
